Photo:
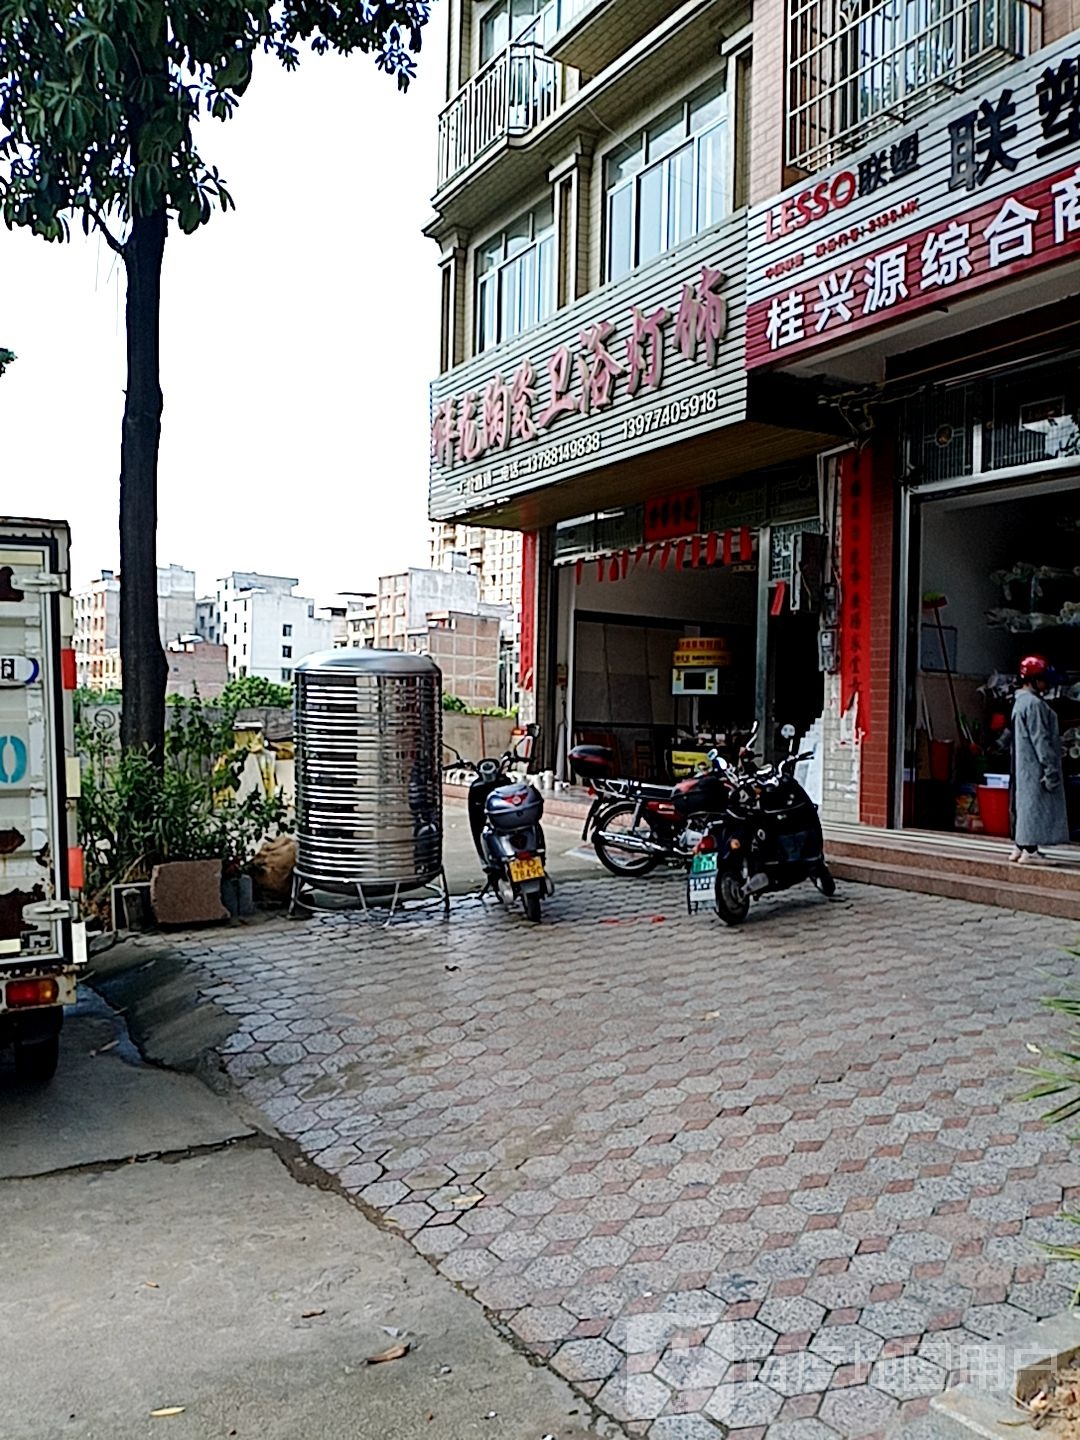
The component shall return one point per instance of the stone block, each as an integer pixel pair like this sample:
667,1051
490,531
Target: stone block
187,892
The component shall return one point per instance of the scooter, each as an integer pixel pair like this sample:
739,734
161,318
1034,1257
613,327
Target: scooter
504,818
769,838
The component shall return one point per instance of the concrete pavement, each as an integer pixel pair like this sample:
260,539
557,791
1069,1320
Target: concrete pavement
157,1254
770,1181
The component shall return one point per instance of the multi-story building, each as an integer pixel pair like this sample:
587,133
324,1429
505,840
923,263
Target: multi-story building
97,628
493,556
360,611
196,667
97,621
266,627
759,326
405,600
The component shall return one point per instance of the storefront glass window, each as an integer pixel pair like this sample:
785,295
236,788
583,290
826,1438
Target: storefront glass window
1035,417
515,285
667,183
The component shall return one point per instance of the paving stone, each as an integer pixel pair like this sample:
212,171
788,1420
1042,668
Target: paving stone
858,1411
587,1359
676,1193
686,1427
797,1373
791,1315
742,1405
906,1377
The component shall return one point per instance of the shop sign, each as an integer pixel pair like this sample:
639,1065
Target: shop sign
855,612
983,189
629,368
669,516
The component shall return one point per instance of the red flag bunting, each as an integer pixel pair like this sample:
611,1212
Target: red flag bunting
712,546
727,547
695,551
746,545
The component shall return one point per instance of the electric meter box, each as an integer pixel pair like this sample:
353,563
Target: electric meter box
695,680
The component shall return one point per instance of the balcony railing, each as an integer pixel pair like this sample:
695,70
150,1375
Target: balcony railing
511,95
858,67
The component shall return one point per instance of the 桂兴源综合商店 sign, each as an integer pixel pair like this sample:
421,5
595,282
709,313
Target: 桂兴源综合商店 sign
985,188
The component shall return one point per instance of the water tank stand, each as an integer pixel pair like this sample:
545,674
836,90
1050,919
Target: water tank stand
438,888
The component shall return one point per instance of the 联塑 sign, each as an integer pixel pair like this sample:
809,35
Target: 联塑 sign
982,189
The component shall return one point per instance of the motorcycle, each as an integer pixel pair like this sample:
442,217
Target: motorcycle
504,819
768,839
636,825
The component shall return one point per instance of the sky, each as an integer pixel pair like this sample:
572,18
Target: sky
299,333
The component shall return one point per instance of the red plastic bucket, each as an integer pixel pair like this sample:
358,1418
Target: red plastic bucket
941,759
994,809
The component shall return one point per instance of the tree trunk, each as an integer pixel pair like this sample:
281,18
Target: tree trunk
142,660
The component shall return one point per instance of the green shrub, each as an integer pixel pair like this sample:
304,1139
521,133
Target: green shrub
1058,1077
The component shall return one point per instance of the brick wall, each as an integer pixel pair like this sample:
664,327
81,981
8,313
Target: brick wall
767,88
1059,18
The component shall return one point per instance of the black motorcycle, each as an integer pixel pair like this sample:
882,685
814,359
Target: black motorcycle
769,837
636,825
504,819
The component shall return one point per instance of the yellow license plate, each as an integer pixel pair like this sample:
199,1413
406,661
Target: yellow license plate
526,870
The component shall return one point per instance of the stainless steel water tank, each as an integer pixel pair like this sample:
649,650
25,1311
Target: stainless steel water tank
368,770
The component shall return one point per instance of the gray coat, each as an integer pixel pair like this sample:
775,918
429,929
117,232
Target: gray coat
1037,799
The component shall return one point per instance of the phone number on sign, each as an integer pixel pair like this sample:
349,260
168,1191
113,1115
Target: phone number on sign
552,455
689,408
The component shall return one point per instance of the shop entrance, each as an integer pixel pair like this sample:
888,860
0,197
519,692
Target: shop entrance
994,576
629,628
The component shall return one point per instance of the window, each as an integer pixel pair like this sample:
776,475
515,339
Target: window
668,182
505,22
311,612
286,674
515,277
286,629
286,652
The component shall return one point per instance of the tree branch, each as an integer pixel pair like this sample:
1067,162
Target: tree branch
110,239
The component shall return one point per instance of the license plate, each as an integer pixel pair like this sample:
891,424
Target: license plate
526,870
702,876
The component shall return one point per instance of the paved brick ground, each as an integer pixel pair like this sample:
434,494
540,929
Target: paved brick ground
769,1181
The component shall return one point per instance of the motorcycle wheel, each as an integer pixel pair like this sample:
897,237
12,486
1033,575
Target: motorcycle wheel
531,901
732,901
823,879
612,857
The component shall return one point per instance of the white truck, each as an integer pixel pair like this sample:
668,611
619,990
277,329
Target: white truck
42,935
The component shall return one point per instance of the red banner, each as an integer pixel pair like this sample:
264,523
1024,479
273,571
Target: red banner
855,607
527,664
672,516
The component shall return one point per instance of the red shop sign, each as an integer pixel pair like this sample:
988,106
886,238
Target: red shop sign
670,516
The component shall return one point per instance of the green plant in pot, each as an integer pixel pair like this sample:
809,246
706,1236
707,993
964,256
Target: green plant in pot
181,827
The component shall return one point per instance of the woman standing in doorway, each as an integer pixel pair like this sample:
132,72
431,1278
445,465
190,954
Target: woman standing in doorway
1037,791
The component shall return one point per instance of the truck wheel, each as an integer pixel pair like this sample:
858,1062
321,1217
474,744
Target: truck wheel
36,1060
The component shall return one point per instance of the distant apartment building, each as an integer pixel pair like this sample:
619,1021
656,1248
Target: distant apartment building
97,622
266,627
360,612
493,556
405,600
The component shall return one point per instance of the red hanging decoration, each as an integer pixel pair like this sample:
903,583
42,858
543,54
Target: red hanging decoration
680,554
654,550
624,564
746,545
728,537
613,568
638,554
600,569
665,554
695,551
712,547
578,569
